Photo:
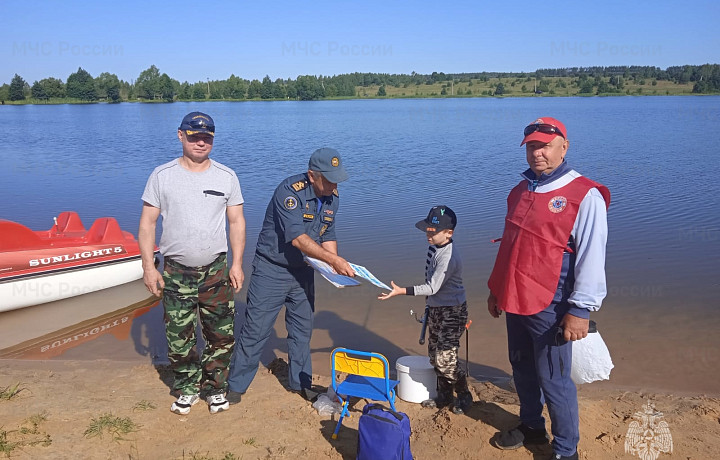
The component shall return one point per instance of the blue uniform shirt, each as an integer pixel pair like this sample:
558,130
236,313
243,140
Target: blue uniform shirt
293,210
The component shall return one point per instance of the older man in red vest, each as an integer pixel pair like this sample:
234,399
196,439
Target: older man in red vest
548,276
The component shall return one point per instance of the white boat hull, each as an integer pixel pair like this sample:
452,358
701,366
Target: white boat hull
39,289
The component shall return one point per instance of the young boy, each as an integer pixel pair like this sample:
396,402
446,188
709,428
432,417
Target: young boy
448,308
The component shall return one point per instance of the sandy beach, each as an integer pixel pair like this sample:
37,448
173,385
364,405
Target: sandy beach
64,398
102,369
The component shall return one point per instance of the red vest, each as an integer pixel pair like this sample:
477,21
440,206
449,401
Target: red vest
537,229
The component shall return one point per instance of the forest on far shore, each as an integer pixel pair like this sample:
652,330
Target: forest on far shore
154,86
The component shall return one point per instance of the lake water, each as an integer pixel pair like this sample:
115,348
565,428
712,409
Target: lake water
657,155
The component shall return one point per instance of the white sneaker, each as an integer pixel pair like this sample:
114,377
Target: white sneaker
184,403
217,403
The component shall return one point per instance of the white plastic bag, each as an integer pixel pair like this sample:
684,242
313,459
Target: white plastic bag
590,359
327,403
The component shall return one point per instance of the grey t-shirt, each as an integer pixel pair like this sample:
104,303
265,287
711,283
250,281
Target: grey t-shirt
193,208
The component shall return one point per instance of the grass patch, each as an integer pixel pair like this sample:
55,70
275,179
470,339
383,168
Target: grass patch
31,425
28,434
250,442
6,445
144,405
116,427
9,392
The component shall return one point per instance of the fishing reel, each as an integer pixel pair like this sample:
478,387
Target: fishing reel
422,320
417,318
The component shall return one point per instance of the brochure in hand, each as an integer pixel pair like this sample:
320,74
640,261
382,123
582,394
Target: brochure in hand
341,280
365,273
329,274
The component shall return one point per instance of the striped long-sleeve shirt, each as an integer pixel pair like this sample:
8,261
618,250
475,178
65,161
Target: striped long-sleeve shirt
443,277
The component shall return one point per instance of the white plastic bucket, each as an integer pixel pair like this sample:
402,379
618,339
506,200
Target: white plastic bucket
417,377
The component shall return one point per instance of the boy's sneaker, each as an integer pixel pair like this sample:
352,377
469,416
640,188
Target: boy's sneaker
217,403
184,403
463,403
443,399
437,403
521,435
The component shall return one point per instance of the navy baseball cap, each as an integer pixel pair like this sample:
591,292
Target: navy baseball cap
439,218
327,161
198,123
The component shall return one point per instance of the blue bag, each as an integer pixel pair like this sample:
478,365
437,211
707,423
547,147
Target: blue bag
383,434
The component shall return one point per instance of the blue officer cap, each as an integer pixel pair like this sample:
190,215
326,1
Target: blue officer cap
327,161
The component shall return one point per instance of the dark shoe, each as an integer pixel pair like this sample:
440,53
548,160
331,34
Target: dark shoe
564,457
443,398
436,403
444,395
521,435
233,397
308,394
463,403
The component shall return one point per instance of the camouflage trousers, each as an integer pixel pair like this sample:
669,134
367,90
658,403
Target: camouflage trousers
203,293
446,325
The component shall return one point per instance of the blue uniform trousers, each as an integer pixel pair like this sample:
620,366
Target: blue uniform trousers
271,287
541,370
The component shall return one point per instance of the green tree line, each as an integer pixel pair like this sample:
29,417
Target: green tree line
151,85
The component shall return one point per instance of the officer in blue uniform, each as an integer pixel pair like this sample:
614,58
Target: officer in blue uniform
299,220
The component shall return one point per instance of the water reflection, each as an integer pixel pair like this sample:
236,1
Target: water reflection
53,329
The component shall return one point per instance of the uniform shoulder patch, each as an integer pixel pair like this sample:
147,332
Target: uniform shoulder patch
290,202
299,185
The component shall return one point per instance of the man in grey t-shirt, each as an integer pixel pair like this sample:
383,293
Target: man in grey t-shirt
194,195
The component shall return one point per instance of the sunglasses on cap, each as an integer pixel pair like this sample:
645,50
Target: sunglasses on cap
200,124
543,128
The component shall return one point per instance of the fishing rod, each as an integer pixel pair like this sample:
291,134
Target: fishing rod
467,348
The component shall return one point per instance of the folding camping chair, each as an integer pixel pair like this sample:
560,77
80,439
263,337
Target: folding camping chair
368,377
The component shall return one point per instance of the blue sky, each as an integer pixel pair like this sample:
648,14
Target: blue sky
194,41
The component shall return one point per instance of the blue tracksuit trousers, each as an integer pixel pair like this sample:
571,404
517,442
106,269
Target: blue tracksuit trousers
271,287
541,369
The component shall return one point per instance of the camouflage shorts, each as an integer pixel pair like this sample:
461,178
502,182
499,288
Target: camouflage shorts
203,293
